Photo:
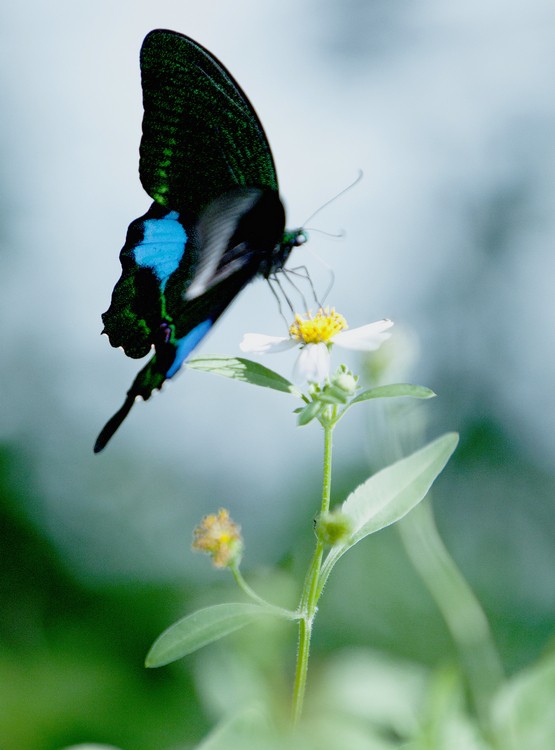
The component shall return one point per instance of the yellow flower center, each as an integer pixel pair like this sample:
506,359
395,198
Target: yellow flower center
317,329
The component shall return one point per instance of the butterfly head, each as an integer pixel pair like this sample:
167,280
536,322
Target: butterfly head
291,238
294,238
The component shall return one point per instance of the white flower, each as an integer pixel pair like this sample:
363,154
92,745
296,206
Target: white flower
315,335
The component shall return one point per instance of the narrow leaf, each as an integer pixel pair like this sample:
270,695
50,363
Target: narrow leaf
394,390
310,412
391,493
245,370
201,628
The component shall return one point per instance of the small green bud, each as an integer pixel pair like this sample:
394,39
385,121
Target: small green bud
345,381
333,527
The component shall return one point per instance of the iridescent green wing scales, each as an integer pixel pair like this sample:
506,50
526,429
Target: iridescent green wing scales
201,135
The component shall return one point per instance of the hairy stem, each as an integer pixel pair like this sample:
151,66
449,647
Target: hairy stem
310,593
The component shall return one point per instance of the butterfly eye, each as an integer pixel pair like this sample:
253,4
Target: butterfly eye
300,238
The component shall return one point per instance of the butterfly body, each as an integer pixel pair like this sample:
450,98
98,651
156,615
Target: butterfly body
217,220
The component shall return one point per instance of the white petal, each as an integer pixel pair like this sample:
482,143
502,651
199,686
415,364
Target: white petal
365,338
313,364
259,343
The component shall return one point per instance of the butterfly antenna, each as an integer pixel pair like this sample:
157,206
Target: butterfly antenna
336,196
336,235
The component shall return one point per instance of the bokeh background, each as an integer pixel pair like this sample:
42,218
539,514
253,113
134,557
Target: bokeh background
448,109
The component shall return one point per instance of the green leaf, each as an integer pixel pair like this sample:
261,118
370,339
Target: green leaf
394,390
523,711
201,628
310,412
391,493
245,370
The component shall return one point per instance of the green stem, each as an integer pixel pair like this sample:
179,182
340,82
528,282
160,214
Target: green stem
305,633
244,586
461,610
311,592
326,481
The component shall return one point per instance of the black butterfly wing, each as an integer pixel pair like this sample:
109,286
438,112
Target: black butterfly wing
201,139
216,219
201,135
154,250
226,248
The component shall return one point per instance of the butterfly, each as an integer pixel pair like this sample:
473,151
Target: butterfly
216,222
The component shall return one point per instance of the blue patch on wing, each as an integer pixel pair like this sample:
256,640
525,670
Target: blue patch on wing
186,345
162,246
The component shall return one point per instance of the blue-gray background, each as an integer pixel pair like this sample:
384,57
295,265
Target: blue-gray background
449,110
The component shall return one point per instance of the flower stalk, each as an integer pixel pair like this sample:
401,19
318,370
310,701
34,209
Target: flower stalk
251,593
311,589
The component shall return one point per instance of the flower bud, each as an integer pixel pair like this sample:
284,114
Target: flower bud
220,537
345,381
333,527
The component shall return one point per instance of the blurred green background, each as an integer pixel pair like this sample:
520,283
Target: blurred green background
449,111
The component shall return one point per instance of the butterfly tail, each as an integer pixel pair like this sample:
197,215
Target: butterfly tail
164,365
112,424
150,378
